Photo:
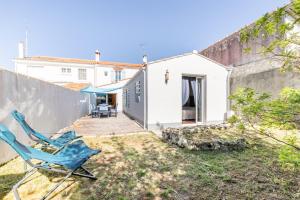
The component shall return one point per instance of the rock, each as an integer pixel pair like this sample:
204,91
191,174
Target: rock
193,138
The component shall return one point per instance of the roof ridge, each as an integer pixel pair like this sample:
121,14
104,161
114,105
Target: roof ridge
80,61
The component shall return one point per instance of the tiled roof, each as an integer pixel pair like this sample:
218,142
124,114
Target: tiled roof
75,86
80,61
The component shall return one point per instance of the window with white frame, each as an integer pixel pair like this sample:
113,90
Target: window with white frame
66,70
82,74
126,98
138,91
118,75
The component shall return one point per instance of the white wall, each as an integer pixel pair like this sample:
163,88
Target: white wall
135,106
165,100
51,72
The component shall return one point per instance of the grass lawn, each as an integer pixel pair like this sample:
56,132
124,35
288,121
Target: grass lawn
141,166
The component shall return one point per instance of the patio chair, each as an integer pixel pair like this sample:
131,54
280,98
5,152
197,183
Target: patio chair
68,161
95,112
57,143
103,110
114,111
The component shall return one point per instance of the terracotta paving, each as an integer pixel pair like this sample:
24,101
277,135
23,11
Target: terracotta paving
88,126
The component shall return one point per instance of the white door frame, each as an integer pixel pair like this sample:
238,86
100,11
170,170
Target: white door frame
203,96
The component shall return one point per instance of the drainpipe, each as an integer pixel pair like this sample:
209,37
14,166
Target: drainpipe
228,92
145,91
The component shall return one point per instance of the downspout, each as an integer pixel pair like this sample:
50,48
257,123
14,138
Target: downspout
228,92
145,96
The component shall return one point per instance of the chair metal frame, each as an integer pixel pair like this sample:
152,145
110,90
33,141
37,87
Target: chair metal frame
36,167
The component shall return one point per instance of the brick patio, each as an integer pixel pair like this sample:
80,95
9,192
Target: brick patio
87,126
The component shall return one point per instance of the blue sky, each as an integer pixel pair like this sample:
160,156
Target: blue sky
122,30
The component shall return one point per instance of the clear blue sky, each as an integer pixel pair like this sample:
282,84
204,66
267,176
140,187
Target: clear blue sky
66,28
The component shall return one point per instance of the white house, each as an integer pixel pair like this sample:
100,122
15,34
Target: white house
182,90
66,71
71,70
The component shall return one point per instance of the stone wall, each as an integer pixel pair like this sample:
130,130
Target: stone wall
47,107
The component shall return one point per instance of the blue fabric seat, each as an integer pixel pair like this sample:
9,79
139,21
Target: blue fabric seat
59,142
70,158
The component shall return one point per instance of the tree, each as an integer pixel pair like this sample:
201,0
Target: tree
258,113
280,27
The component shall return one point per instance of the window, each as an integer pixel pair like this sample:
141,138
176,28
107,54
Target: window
126,98
65,70
118,75
82,74
105,73
138,91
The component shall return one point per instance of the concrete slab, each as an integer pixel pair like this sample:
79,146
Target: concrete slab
88,126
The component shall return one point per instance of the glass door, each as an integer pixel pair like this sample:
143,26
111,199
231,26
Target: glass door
199,100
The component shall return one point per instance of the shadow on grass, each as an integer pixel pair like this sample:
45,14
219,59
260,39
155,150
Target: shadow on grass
146,168
7,182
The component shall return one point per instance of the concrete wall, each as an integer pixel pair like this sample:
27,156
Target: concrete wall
135,108
263,76
47,107
165,100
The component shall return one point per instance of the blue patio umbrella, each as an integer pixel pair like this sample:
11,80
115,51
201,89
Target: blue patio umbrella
91,89
97,92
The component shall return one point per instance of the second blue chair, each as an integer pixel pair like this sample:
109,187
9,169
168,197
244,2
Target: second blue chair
57,143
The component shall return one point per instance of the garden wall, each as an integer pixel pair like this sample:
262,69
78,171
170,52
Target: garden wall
263,76
47,107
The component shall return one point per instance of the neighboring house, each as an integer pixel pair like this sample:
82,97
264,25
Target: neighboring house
176,91
63,71
74,73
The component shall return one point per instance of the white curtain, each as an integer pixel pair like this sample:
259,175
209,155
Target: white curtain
185,90
193,83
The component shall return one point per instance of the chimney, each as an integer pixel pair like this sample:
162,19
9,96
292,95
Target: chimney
21,50
97,55
145,59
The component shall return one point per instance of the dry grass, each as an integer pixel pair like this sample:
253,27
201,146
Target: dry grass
143,167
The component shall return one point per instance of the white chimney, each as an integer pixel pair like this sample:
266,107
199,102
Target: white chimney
145,59
21,50
97,55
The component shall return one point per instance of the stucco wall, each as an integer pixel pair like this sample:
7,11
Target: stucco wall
263,76
165,100
135,109
47,107
51,71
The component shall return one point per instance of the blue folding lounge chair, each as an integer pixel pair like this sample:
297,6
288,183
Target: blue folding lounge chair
69,160
58,143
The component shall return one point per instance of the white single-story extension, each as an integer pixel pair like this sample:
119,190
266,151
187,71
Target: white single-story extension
182,90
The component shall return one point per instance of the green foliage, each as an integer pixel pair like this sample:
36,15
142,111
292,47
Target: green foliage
259,112
253,108
276,36
289,157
